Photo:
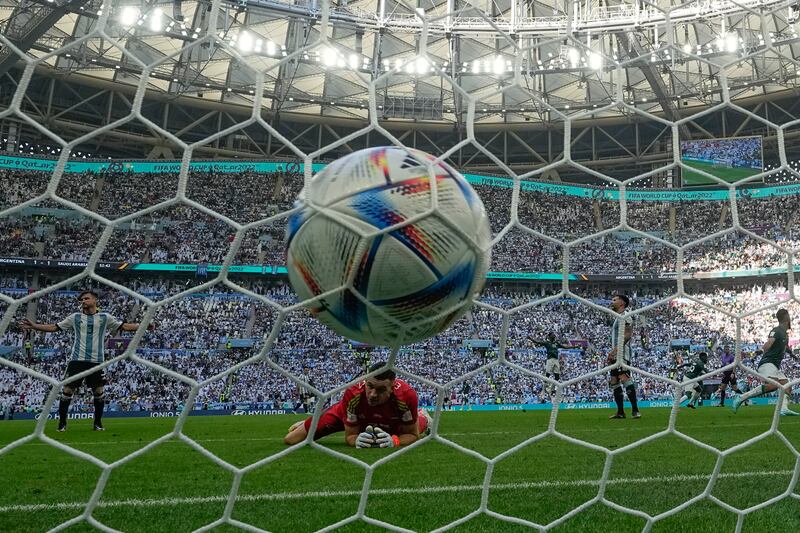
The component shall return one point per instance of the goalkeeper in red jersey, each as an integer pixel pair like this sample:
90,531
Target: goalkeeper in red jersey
379,412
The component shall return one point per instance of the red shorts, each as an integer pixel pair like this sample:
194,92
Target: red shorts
331,422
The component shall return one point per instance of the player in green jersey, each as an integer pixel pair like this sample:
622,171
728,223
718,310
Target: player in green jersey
696,368
553,366
776,347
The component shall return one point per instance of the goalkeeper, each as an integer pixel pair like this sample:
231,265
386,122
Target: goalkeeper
379,412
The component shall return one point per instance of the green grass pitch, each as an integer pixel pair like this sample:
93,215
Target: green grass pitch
726,174
174,488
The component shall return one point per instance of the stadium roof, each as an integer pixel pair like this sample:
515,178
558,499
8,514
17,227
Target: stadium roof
518,61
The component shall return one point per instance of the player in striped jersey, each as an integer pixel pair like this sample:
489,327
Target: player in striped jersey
621,377
89,328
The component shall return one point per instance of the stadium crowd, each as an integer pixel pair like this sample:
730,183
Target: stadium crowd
184,234
194,336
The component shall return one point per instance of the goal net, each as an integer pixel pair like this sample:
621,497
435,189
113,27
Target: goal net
581,226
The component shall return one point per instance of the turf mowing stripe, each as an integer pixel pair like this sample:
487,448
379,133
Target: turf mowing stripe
379,492
443,434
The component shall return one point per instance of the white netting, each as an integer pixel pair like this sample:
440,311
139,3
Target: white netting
617,101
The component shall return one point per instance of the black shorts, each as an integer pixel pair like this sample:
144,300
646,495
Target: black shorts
93,380
729,377
617,372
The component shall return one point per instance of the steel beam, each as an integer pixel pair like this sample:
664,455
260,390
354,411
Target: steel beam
29,21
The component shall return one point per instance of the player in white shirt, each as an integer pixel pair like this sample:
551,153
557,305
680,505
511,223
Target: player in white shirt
621,377
89,328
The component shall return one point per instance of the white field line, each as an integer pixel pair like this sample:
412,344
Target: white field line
283,496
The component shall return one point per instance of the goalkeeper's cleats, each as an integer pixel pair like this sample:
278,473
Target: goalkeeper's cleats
99,427
737,401
616,416
636,414
691,406
62,427
789,412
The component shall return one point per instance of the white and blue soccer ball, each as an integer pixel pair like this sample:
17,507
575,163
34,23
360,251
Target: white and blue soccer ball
418,278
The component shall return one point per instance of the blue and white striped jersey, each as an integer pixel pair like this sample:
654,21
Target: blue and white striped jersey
90,332
615,333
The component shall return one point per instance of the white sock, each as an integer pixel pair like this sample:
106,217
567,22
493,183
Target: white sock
785,406
695,396
755,391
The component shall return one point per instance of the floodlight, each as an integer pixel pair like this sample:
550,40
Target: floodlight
129,16
595,61
245,42
498,67
574,57
731,42
329,57
156,20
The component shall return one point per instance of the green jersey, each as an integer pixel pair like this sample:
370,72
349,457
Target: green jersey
552,349
696,369
776,352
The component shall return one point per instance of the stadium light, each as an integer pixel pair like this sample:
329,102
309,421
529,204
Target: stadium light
731,42
156,17
595,61
422,65
329,57
476,66
687,48
270,48
245,42
574,57
129,16
353,61
498,67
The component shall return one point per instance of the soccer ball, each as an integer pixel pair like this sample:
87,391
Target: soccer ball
417,278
